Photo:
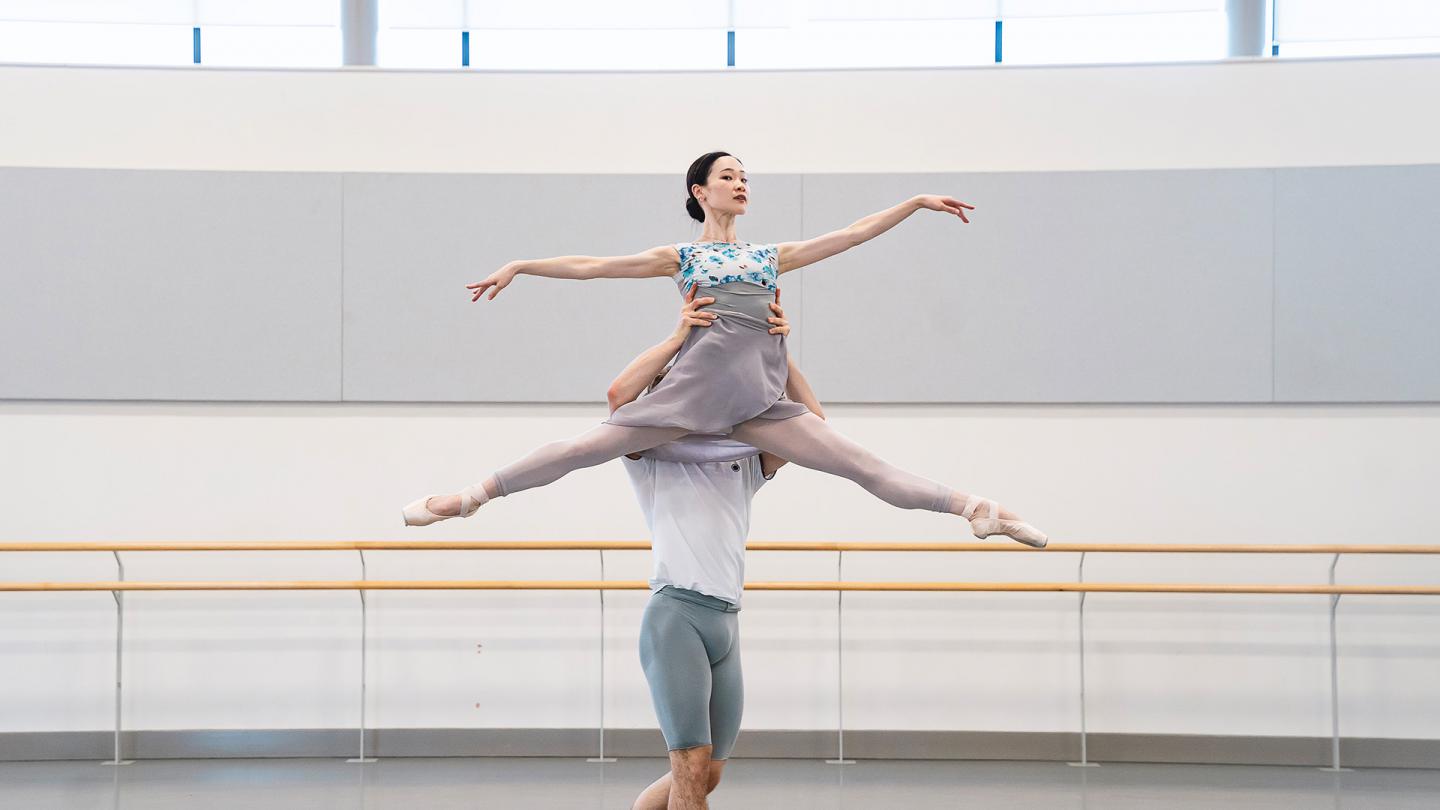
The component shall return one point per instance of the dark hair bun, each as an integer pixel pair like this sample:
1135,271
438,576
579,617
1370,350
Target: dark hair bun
693,206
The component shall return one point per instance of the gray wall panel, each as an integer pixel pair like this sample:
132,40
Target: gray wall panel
413,241
120,284
1147,286
1357,284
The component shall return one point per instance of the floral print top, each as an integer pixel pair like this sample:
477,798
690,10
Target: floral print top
709,264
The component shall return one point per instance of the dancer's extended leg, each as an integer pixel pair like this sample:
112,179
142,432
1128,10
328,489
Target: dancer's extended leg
550,462
811,442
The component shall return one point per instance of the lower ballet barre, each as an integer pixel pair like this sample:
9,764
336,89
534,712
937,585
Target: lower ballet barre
1334,591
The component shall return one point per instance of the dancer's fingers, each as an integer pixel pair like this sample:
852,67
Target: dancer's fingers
957,208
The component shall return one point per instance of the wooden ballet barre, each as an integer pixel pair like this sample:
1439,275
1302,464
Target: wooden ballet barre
635,585
763,545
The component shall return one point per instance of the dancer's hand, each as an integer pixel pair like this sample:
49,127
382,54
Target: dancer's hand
782,326
690,314
495,283
949,205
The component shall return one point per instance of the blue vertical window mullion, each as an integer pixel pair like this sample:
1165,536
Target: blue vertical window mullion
730,48
465,49
1274,33
195,38
999,39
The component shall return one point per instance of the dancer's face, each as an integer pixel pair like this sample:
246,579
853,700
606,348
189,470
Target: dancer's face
728,189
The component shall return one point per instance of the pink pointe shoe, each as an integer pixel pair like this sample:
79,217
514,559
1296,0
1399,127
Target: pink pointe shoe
471,498
1017,530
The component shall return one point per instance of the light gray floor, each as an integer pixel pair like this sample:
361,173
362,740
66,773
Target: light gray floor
440,783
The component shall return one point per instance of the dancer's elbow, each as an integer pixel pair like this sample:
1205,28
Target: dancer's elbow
618,395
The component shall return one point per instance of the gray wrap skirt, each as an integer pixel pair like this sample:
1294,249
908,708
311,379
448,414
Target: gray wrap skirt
726,373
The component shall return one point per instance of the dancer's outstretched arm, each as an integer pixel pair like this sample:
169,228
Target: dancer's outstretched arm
653,263
795,255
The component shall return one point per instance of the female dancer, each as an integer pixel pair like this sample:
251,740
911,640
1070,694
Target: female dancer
728,379
695,492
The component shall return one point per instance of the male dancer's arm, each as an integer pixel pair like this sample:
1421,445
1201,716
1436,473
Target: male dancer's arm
649,366
641,372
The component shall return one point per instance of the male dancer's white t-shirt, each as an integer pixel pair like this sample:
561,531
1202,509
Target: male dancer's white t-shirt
699,517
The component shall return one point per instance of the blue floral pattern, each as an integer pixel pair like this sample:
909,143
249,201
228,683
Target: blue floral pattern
709,264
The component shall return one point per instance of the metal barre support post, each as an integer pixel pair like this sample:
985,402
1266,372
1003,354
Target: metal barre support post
364,638
119,659
1334,681
1084,752
602,757
839,666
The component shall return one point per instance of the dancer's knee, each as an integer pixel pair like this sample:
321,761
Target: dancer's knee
864,468
690,770
717,766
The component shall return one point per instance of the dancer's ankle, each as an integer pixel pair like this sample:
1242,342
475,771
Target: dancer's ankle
959,499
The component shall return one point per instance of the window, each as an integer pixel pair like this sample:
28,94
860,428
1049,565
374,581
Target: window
677,34
554,34
873,33
270,33
1074,31
694,34
278,33
1349,27
61,31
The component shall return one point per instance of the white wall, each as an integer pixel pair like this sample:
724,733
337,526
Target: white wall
1162,663
1242,114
